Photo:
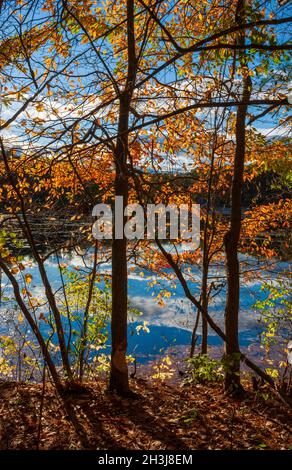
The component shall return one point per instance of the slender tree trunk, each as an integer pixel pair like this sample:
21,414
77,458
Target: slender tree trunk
44,349
204,290
25,226
206,249
119,371
84,338
194,335
231,240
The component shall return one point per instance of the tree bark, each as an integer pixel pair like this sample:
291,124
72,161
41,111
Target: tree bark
204,345
119,380
119,370
231,239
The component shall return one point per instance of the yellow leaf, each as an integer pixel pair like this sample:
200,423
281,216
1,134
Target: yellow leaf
28,278
40,107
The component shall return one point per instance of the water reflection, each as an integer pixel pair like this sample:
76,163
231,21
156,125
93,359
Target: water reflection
170,324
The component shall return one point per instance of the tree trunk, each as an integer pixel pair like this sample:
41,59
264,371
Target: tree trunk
204,345
26,229
231,240
44,348
119,370
206,248
119,381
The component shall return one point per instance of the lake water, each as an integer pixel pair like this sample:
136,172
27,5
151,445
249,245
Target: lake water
170,325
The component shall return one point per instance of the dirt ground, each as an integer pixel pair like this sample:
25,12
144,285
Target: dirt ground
171,417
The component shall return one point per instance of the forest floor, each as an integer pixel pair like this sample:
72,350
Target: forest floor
165,416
